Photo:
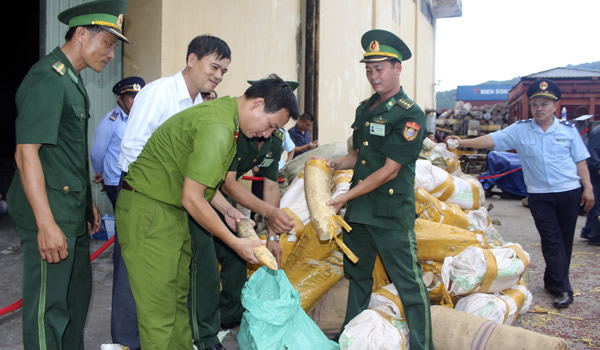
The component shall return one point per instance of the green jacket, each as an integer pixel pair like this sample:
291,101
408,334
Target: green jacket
198,143
394,129
267,158
53,110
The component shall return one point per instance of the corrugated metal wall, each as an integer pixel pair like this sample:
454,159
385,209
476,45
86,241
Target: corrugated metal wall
98,85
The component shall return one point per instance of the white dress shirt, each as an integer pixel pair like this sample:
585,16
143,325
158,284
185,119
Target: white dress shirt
153,105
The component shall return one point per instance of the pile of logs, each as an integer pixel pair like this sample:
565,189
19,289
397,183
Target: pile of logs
465,119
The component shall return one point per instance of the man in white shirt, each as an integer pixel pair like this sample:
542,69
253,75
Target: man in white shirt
207,61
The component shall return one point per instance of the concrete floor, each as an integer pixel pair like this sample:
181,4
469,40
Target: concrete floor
578,324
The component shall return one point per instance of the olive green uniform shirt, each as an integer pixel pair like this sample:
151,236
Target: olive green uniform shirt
394,129
198,143
53,110
267,158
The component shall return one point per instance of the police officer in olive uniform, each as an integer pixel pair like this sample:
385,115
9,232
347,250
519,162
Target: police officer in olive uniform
388,132
208,307
553,157
50,198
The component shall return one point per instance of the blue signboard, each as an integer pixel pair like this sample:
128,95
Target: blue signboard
491,92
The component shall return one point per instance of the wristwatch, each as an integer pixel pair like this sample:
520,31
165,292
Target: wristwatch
273,238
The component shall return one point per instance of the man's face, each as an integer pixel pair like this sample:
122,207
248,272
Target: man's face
255,122
127,101
542,109
384,77
97,49
206,73
304,125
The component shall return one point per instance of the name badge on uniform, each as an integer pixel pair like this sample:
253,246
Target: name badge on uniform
377,129
265,163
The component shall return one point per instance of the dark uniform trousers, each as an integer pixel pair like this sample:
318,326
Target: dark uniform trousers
398,250
203,299
555,217
56,296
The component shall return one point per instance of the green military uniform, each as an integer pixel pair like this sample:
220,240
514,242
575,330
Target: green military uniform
197,143
53,110
383,220
210,308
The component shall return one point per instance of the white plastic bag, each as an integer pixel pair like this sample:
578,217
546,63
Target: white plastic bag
484,270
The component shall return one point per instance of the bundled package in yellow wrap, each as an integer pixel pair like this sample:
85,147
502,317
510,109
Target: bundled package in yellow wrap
437,241
430,208
317,189
313,278
308,246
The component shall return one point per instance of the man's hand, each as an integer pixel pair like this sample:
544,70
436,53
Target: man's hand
313,144
278,221
232,217
244,247
275,249
338,202
95,226
587,199
52,244
98,178
330,162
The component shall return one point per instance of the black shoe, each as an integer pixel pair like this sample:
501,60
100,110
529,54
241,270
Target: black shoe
217,346
584,235
594,243
563,300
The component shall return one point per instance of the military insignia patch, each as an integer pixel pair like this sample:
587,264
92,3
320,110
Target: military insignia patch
543,85
237,134
278,134
411,130
59,67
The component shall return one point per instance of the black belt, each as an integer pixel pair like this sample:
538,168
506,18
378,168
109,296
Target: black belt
125,186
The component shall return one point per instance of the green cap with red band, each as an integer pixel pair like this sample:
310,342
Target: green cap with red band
108,14
381,45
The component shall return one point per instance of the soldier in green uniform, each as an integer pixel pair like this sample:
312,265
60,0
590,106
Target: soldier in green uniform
50,198
388,132
178,173
220,305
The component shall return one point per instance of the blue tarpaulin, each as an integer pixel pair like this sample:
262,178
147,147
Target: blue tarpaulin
502,162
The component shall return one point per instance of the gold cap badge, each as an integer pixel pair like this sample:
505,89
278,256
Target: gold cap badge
543,85
374,46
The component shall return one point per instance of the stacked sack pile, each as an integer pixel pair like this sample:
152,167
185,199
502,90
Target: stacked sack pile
466,264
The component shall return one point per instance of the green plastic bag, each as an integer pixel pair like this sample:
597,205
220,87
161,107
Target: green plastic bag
273,319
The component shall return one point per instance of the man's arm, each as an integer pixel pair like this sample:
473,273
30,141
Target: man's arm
484,141
278,220
196,205
102,137
386,173
587,197
52,242
272,196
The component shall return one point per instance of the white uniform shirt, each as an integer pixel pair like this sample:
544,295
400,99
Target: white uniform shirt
153,105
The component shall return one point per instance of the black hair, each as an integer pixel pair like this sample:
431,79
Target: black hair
276,93
91,28
307,117
206,45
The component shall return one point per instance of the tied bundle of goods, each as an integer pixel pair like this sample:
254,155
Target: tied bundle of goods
317,188
381,327
465,191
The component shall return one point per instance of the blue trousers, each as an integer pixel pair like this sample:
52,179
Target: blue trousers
555,216
591,230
